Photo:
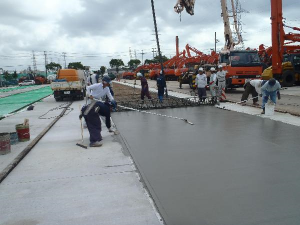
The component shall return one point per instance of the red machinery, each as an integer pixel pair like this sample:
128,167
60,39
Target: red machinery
284,57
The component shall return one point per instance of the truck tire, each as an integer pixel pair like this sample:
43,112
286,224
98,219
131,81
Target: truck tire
288,78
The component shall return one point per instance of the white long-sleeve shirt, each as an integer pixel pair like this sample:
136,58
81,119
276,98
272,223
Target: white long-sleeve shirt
221,76
94,80
257,85
97,91
201,80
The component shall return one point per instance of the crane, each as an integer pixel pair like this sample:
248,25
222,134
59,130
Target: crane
241,65
285,58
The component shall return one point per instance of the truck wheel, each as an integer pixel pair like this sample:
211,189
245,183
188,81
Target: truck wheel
288,78
58,99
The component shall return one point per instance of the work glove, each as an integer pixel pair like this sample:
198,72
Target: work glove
278,95
114,105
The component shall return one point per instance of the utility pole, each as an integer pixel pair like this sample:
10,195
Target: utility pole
142,56
135,54
153,51
34,62
45,54
64,55
215,41
156,35
130,53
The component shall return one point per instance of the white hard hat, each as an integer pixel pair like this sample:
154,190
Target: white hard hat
200,69
139,74
212,69
220,66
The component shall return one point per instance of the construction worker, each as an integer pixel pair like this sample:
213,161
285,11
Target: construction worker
161,85
212,83
270,89
93,123
253,87
221,78
201,82
99,91
94,79
145,87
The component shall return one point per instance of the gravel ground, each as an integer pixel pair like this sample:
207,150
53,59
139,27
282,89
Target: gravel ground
289,103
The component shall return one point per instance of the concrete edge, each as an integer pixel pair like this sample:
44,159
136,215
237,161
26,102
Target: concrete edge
142,178
29,147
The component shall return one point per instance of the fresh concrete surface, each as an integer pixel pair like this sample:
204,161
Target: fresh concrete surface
229,168
61,183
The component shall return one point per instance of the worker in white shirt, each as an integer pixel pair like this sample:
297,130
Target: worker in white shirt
201,82
212,83
94,79
253,87
99,91
221,78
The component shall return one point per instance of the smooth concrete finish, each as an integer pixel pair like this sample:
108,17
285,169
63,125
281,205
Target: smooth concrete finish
228,169
61,183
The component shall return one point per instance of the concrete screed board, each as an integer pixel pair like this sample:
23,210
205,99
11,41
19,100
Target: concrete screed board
228,169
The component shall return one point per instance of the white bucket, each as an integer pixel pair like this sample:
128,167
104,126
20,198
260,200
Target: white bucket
269,109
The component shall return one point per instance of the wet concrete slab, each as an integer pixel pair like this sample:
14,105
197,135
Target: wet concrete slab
228,169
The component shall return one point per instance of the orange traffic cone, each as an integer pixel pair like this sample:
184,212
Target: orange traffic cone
223,96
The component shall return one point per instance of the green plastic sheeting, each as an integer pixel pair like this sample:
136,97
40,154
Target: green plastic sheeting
18,101
13,88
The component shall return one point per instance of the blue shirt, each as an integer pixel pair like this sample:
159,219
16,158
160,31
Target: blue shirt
161,82
269,88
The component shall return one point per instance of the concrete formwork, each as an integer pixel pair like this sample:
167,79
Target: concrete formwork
227,169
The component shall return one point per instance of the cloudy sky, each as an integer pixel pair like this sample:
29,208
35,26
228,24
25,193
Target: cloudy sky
95,31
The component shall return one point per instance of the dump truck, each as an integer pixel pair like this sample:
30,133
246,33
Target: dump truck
70,83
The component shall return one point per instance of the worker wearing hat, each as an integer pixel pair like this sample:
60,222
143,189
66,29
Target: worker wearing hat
99,91
270,89
145,87
161,85
201,82
212,83
221,78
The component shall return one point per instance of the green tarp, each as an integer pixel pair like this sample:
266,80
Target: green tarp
18,101
13,88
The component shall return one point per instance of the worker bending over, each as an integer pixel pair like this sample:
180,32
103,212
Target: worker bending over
253,87
270,89
99,91
201,82
212,83
93,124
